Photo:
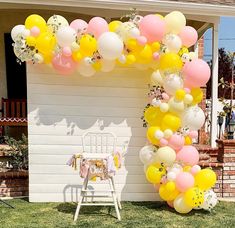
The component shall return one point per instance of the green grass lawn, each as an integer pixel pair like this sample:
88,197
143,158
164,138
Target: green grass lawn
134,214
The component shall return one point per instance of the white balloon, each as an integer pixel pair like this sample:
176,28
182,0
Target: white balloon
38,58
127,30
176,106
85,70
156,78
193,118
134,32
146,154
171,176
168,133
110,46
210,200
55,22
159,134
164,107
171,83
173,43
19,30
156,102
166,155
180,205
188,99
122,59
107,65
75,46
66,36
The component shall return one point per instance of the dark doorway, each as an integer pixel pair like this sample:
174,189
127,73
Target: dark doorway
15,72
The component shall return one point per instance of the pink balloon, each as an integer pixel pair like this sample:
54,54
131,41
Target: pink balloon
164,180
163,142
152,27
156,56
97,26
170,203
176,142
188,36
34,31
165,96
188,155
67,51
63,64
184,181
187,90
196,73
193,134
79,25
142,40
195,169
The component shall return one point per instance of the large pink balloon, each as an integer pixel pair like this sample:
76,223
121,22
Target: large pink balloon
188,36
97,26
176,142
196,73
184,181
79,25
188,155
63,64
152,27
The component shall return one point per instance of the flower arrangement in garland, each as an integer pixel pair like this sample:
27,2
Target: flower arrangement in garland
172,116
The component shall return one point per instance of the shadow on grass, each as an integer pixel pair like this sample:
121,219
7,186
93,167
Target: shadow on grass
150,205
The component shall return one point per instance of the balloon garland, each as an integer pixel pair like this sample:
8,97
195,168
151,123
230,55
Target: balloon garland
172,116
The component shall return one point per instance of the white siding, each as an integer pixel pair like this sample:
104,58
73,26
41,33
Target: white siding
62,108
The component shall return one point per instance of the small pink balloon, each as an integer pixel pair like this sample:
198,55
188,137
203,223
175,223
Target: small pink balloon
63,64
187,90
188,36
79,25
67,51
34,31
196,73
156,56
184,181
195,169
193,134
188,155
152,27
176,142
163,142
164,180
165,96
97,26
170,203
142,40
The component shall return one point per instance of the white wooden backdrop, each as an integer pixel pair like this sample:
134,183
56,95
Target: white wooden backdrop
61,108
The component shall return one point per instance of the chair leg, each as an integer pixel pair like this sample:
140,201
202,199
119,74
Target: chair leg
118,200
115,199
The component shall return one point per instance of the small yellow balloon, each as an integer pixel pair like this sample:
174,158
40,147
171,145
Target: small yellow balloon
97,66
170,62
31,41
77,56
47,58
36,20
187,140
145,55
88,45
180,94
159,15
133,45
155,172
114,25
130,59
45,43
194,197
182,51
153,116
155,46
151,135
197,95
205,179
167,195
171,122
170,186
187,168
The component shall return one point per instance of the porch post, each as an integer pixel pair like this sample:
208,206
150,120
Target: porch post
214,87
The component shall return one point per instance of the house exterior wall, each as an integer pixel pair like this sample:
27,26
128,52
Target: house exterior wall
62,108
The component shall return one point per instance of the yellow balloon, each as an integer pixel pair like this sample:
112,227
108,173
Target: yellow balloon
167,195
130,59
151,135
205,179
31,41
182,51
170,186
194,197
155,46
133,46
180,206
197,95
97,66
45,43
187,168
170,62
77,56
47,58
171,122
180,94
114,25
145,55
155,172
159,15
36,20
88,45
187,140
153,116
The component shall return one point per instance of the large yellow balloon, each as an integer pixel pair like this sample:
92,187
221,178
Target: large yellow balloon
180,94
36,20
155,172
194,197
47,58
170,62
114,25
77,56
88,45
153,116
167,194
205,179
171,122
130,59
133,46
197,95
151,135
45,43
180,206
31,41
145,55
155,46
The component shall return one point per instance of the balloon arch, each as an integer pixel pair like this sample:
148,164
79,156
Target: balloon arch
172,116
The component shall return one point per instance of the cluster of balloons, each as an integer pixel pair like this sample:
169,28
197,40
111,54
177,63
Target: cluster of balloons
152,41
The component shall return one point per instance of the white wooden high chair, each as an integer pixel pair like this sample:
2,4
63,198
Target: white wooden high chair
98,145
